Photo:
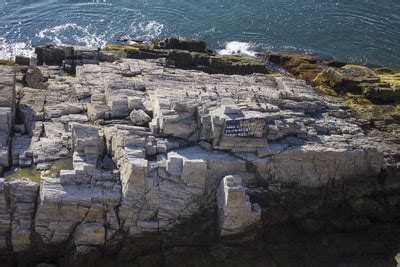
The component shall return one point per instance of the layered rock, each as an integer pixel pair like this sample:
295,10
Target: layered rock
23,195
80,202
5,218
361,80
156,149
235,211
7,113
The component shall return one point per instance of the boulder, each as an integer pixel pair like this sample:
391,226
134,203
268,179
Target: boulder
139,117
34,78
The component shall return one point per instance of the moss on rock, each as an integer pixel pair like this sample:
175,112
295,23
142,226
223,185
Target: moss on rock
8,62
390,76
303,66
117,47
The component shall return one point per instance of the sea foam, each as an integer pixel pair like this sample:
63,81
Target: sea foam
238,48
10,50
72,34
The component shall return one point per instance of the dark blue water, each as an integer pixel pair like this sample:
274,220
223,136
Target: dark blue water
359,31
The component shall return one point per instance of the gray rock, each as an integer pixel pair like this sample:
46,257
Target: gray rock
90,234
235,212
34,78
22,60
23,195
50,55
45,265
381,93
7,112
5,217
139,117
183,44
211,138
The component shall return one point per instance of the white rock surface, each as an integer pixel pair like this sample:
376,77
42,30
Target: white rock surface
209,138
236,214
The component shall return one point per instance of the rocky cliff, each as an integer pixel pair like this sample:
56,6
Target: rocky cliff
168,150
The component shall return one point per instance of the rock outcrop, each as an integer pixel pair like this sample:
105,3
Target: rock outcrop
23,195
167,157
361,80
235,212
7,113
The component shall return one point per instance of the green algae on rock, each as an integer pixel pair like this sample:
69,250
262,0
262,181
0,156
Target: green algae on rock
303,66
58,165
33,174
30,173
8,62
360,80
116,47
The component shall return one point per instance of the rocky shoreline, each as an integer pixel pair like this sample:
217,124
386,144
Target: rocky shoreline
167,154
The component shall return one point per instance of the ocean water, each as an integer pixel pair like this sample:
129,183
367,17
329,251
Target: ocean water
358,31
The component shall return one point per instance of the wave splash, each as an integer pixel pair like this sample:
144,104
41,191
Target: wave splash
10,50
71,34
147,30
238,48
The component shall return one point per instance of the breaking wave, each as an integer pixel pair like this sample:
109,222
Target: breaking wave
74,34
146,30
71,34
238,48
10,50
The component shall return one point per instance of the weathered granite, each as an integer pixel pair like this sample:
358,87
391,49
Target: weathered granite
236,214
5,218
34,78
23,195
7,113
360,80
164,156
139,117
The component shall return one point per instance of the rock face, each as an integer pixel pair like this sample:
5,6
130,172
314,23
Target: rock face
7,113
372,94
210,158
5,220
361,80
183,44
23,195
305,67
82,200
235,212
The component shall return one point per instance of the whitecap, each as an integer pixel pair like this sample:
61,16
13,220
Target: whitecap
9,50
71,34
238,48
147,30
